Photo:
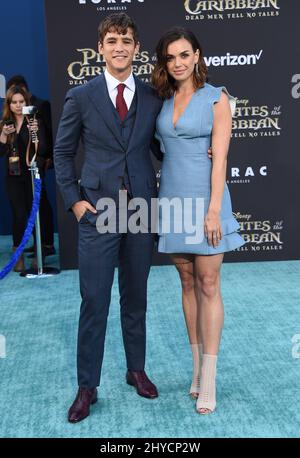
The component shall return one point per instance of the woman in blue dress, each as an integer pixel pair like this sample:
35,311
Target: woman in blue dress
195,115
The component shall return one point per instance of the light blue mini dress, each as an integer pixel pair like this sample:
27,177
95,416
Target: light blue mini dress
186,175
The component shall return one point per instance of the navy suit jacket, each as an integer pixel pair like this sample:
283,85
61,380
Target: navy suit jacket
88,116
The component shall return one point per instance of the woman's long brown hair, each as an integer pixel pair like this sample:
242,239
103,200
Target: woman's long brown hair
7,113
161,80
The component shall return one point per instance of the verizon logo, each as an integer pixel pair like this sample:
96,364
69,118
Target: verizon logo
230,59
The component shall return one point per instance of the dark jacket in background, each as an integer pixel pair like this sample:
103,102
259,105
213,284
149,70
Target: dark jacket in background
21,142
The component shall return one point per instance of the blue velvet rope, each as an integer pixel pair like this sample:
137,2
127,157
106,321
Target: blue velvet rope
28,231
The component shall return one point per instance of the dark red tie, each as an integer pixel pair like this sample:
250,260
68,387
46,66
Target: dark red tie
120,102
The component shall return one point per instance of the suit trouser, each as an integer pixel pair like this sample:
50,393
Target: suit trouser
99,254
19,190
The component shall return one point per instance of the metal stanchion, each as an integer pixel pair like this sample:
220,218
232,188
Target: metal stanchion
40,271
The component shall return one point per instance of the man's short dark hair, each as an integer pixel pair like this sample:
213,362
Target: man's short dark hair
17,80
117,22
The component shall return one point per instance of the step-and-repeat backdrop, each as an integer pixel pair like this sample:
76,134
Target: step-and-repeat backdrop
251,47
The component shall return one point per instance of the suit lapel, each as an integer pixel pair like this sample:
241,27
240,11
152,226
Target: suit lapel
140,113
99,96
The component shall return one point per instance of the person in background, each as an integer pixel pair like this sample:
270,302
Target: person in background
14,140
44,114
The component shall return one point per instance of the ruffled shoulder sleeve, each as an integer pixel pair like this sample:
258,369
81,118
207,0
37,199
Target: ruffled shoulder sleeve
217,94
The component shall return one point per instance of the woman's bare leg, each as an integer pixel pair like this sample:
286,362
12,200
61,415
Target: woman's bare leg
185,267
208,293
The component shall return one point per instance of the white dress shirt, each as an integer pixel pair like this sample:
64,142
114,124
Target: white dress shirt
112,84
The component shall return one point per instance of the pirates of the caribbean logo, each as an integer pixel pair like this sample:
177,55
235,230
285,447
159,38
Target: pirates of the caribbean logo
198,7
260,235
91,64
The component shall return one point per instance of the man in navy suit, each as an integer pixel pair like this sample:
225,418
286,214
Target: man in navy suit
114,116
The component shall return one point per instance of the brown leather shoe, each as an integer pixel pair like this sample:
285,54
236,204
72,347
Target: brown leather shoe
143,385
80,408
20,265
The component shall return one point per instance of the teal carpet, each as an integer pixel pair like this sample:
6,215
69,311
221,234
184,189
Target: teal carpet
258,379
